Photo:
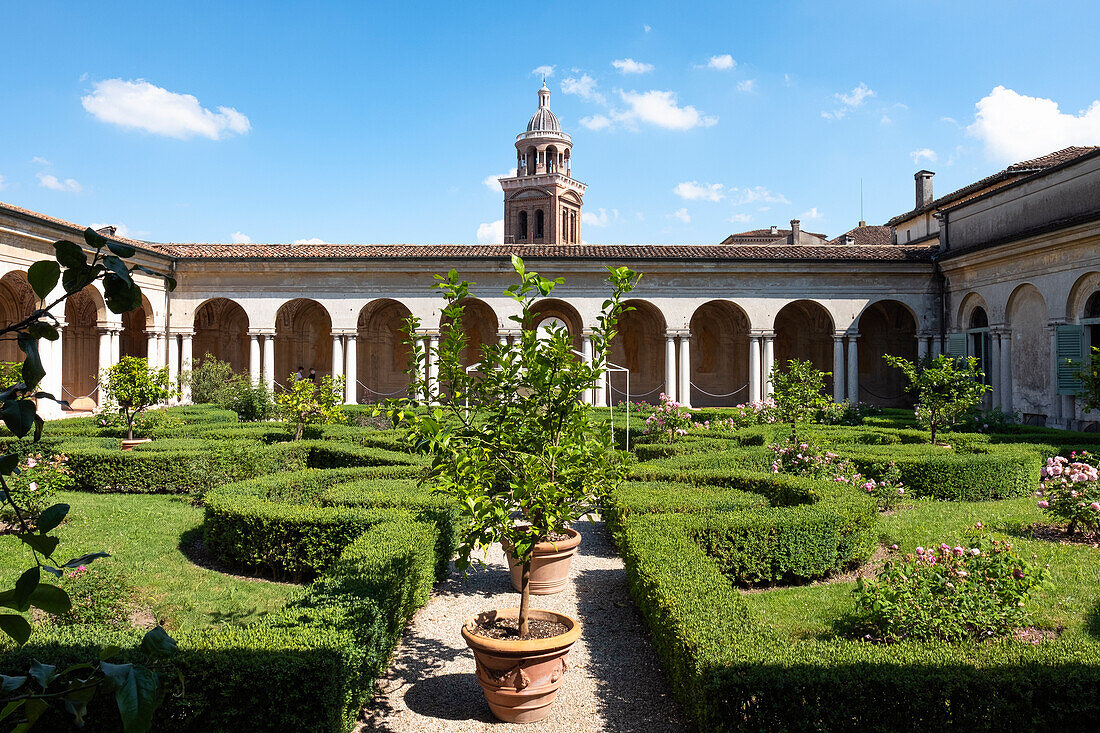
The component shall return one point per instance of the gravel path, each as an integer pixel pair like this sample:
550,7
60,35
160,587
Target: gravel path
614,682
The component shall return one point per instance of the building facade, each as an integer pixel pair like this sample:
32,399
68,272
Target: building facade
1010,273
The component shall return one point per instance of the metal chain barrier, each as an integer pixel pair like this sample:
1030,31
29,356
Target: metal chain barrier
646,394
729,394
878,396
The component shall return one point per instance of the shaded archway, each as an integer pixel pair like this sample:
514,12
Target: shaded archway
17,301
719,355
1029,353
221,330
804,330
885,327
80,344
639,346
136,325
481,326
303,337
381,353
559,312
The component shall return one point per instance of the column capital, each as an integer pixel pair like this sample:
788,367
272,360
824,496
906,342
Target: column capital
254,332
174,331
853,335
764,333
678,333
345,332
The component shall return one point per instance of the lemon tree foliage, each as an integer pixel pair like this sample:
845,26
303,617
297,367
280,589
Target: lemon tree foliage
132,386
945,388
305,403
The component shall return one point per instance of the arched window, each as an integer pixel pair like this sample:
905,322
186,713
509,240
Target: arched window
538,224
1091,321
523,225
979,344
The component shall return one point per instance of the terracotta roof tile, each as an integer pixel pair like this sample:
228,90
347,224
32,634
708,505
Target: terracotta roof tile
68,224
867,236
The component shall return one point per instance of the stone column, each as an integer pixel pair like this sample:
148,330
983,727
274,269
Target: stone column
269,360
187,357
337,356
838,367
769,362
351,372
937,345
586,354
255,372
104,349
995,368
151,350
502,338
433,363
853,367
173,359
1006,371
116,345
50,352
922,346
670,366
754,368
684,371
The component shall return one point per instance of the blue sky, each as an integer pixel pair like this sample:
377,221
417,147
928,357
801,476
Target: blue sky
379,122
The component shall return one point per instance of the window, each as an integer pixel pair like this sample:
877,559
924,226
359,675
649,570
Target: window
1091,321
538,224
523,225
979,344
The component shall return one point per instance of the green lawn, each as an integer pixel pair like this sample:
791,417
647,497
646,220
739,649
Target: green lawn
1072,601
143,533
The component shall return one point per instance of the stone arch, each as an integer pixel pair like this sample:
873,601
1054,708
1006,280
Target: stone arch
136,325
555,308
303,337
1027,317
804,330
885,327
639,345
80,344
221,330
382,354
17,301
966,307
1079,294
719,354
481,326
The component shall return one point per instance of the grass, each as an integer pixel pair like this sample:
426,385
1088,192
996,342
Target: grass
144,534
1070,603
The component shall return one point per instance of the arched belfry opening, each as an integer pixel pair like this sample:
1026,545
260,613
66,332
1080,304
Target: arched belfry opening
542,202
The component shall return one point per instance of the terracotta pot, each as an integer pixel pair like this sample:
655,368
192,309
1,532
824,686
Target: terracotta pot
549,565
129,444
521,678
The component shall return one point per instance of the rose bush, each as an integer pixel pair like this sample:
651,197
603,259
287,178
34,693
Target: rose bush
669,419
1069,490
807,459
39,478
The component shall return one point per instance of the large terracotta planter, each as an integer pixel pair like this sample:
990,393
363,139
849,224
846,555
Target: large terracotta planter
521,678
129,444
549,565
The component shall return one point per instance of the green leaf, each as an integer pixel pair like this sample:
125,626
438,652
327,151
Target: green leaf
26,584
16,627
41,542
43,276
9,684
135,694
70,254
122,296
51,517
157,643
108,652
94,239
122,250
19,416
43,674
43,330
32,370
77,277
12,706
8,463
117,266
84,559
51,599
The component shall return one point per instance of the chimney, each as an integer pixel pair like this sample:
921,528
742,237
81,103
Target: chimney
108,231
862,223
775,229
795,231
924,187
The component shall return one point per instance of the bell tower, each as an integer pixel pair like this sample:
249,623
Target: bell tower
542,202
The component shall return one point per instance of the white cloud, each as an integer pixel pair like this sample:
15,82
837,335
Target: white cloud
646,28
1015,127
601,219
596,122
584,87
926,153
886,120
121,230
311,240
682,215
661,109
722,62
630,66
950,121
693,190
849,101
740,218
53,183
811,214
747,85
787,80
546,70
491,233
493,184
756,195
40,161
240,238
144,106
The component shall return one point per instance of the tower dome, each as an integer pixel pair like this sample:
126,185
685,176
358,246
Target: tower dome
544,120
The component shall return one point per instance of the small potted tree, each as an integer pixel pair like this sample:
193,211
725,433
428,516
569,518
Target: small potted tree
945,388
305,403
132,387
799,392
513,443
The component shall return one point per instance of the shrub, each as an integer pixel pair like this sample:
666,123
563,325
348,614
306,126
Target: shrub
669,419
845,413
807,459
798,391
252,401
950,593
306,403
100,593
944,391
40,477
132,386
11,373
208,381
1070,491
988,421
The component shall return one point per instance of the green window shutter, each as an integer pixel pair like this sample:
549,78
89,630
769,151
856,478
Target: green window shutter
1071,353
956,345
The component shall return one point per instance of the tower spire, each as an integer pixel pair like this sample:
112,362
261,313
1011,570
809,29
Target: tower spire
544,95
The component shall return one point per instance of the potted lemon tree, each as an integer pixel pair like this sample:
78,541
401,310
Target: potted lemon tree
515,445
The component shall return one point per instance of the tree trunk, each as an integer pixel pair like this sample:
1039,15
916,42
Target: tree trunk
524,598
301,429
130,426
